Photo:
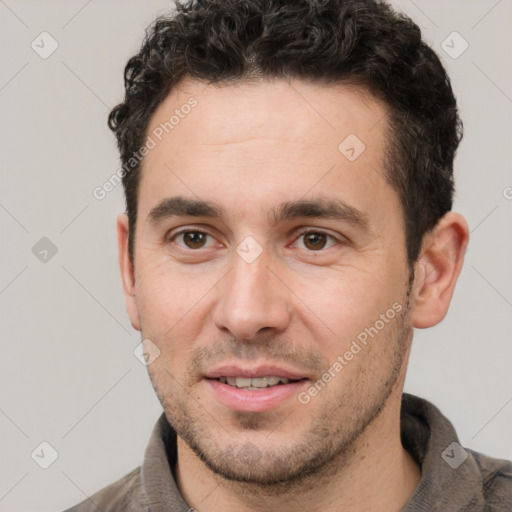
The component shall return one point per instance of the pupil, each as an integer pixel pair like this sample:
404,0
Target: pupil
316,240
194,239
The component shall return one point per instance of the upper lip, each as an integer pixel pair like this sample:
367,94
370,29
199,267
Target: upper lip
254,372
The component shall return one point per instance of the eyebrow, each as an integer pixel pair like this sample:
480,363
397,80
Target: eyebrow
319,208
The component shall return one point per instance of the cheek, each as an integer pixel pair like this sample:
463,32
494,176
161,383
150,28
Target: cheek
346,307
172,301
161,302
344,300
170,320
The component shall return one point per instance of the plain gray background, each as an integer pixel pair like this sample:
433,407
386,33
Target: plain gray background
68,373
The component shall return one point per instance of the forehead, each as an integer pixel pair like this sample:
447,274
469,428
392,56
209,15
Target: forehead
291,111
278,138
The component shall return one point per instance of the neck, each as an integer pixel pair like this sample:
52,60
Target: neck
379,475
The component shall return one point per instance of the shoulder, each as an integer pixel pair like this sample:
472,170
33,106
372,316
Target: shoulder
124,495
496,481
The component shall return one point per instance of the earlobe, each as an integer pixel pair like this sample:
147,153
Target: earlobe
127,270
438,269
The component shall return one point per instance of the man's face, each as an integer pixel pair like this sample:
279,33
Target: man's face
298,261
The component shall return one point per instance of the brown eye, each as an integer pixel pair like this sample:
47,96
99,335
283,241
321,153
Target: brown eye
315,241
191,239
194,239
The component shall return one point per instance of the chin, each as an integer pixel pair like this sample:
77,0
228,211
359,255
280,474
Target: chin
277,465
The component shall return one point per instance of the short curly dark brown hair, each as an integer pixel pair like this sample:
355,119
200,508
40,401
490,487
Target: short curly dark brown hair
363,42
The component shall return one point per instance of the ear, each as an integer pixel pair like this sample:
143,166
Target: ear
437,270
127,271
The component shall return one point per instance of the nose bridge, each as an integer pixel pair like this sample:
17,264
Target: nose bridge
252,298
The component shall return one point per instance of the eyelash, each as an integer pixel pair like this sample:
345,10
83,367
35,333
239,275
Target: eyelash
300,235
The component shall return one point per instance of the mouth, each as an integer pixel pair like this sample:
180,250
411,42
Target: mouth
255,384
254,389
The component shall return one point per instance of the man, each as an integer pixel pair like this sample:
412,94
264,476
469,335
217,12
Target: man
288,171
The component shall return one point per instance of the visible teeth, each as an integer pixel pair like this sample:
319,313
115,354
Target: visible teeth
260,382
242,382
256,383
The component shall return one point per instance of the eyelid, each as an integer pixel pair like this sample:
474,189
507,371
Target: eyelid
185,229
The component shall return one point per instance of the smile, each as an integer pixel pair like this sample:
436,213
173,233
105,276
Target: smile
253,384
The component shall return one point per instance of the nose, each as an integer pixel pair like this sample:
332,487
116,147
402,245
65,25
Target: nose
252,299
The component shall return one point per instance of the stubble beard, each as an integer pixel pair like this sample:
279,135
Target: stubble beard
329,445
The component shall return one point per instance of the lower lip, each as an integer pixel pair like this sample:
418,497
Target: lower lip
247,400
